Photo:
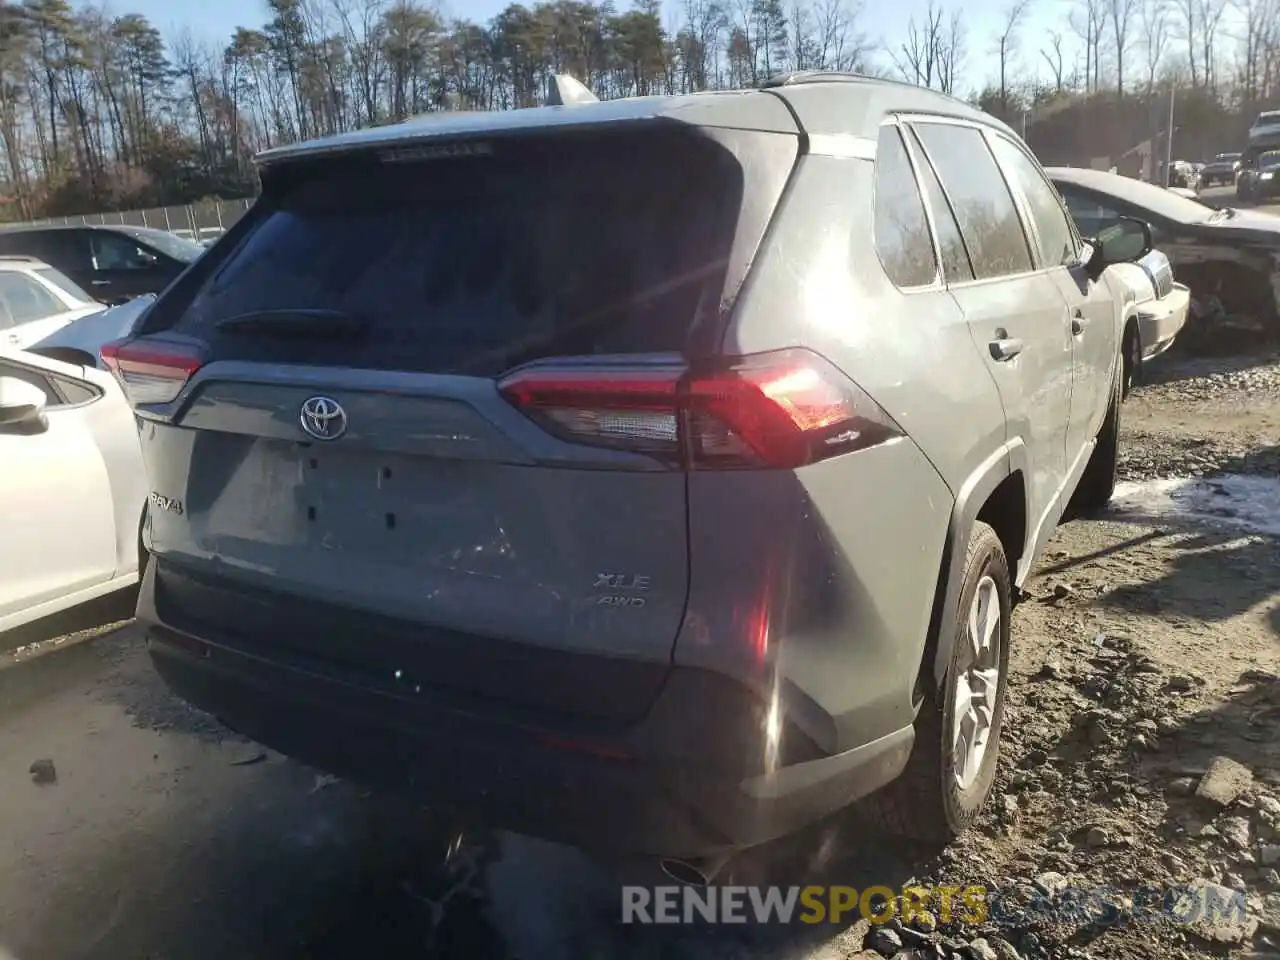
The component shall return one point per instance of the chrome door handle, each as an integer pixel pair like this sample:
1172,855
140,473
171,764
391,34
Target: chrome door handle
1005,347
99,283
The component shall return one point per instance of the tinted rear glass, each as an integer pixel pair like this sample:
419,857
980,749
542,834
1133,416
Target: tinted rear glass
564,246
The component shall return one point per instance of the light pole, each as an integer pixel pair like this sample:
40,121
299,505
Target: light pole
1168,146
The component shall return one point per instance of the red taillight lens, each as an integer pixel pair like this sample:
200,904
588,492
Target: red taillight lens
781,409
151,371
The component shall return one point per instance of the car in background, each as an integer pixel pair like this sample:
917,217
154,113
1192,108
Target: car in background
1260,180
1181,175
560,545
36,299
80,342
112,262
1163,306
1221,171
1229,258
72,487
1266,126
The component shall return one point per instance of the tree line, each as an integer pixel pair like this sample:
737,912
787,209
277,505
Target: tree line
101,112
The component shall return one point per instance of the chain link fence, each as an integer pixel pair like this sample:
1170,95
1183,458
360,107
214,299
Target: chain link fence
200,222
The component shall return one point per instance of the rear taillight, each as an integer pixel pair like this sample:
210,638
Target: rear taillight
783,409
151,371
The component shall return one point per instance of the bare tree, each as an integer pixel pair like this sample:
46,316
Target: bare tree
1007,45
918,57
951,51
1053,57
1260,49
1120,14
1188,25
1211,14
1154,23
1088,21
839,44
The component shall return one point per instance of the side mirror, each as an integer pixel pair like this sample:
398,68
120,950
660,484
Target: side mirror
1124,241
20,402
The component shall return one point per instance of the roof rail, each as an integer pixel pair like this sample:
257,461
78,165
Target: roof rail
564,91
20,258
793,77
798,77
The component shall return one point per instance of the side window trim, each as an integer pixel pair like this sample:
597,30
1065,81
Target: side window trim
55,384
1030,231
923,119
1020,199
939,280
914,145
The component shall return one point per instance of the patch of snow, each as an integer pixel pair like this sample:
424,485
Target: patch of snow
1252,503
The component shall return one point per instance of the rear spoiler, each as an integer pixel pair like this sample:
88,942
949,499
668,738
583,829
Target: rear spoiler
564,91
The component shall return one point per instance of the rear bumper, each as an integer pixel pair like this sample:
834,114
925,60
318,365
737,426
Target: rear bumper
680,783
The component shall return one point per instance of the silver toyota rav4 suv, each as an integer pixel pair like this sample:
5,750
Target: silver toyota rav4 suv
653,475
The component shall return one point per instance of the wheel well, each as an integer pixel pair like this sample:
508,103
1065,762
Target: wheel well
1005,511
142,547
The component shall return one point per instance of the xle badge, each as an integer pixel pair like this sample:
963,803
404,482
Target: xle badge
632,583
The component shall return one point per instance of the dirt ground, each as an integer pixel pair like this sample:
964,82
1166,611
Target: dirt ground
1150,645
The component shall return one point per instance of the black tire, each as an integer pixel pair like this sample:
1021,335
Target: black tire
927,803
1098,482
143,554
1132,361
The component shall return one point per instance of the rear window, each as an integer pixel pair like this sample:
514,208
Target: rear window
63,283
563,246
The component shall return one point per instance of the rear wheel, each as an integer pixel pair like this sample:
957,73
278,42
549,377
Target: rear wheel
953,762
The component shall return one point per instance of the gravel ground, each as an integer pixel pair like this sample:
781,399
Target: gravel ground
1148,651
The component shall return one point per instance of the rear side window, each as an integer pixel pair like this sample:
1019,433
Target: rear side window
1057,243
26,300
570,245
63,283
955,259
984,207
901,230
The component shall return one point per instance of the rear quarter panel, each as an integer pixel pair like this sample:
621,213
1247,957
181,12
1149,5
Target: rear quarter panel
817,585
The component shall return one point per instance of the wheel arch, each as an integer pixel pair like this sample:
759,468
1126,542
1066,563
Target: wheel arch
994,493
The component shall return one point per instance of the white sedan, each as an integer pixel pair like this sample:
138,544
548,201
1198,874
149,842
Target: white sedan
36,300
1162,308
72,487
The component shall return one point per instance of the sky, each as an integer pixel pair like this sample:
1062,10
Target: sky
884,23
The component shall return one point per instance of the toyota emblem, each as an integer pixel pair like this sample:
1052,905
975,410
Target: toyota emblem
323,418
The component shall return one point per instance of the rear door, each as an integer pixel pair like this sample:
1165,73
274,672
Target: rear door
123,267
1015,311
1093,315
55,499
440,391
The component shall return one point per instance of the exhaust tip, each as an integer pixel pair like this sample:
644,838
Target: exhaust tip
681,871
